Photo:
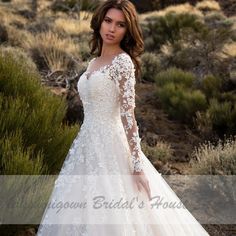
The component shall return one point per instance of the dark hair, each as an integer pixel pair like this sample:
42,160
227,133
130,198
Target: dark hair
132,43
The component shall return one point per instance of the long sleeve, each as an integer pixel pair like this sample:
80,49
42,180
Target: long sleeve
127,105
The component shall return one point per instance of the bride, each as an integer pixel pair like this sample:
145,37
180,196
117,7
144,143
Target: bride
119,190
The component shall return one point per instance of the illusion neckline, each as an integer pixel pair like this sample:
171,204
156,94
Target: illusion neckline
89,74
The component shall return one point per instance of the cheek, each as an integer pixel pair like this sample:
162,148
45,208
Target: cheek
103,26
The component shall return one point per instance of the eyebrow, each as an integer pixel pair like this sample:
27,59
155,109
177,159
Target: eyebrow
117,21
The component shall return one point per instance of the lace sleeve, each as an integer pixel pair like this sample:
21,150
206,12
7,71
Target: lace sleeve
127,105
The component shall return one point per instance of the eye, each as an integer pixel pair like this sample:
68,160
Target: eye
107,20
121,25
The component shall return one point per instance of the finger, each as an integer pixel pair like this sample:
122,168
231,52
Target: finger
139,187
147,190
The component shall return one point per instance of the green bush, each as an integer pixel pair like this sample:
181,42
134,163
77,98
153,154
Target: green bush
181,103
200,50
223,116
178,95
16,159
167,28
19,55
150,66
217,19
211,86
229,96
33,137
176,76
219,117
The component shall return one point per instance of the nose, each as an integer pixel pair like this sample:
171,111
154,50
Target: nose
112,27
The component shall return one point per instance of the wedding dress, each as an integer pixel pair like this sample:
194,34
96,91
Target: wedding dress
101,160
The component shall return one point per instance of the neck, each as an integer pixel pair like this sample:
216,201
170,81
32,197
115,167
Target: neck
110,51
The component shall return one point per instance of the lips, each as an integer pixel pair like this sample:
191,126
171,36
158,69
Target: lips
110,36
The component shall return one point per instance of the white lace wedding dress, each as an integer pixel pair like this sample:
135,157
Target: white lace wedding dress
101,160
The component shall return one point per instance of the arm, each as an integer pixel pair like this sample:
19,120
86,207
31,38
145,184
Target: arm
127,105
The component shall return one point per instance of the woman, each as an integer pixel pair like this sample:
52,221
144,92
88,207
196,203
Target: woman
106,157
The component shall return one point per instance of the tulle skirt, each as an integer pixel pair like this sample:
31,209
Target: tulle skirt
96,177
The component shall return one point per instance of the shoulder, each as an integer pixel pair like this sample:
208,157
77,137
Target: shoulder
91,60
125,58
124,62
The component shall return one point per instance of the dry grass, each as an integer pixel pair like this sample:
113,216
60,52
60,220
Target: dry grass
230,49
7,16
162,151
18,37
73,26
218,159
53,49
85,15
210,5
26,4
181,8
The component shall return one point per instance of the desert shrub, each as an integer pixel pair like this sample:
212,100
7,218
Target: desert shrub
42,25
176,76
178,96
33,137
74,5
150,66
17,37
227,96
181,103
84,51
219,117
142,5
152,5
162,151
163,29
19,55
199,52
208,5
211,86
219,159
52,52
217,19
17,159
72,27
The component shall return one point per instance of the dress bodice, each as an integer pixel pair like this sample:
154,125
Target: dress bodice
99,95
108,97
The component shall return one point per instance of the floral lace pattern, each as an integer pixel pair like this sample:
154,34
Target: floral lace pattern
123,72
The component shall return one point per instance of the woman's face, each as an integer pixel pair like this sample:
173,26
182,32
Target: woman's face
113,27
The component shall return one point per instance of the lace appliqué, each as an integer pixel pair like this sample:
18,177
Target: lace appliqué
124,73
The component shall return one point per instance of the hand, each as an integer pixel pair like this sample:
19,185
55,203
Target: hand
141,180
